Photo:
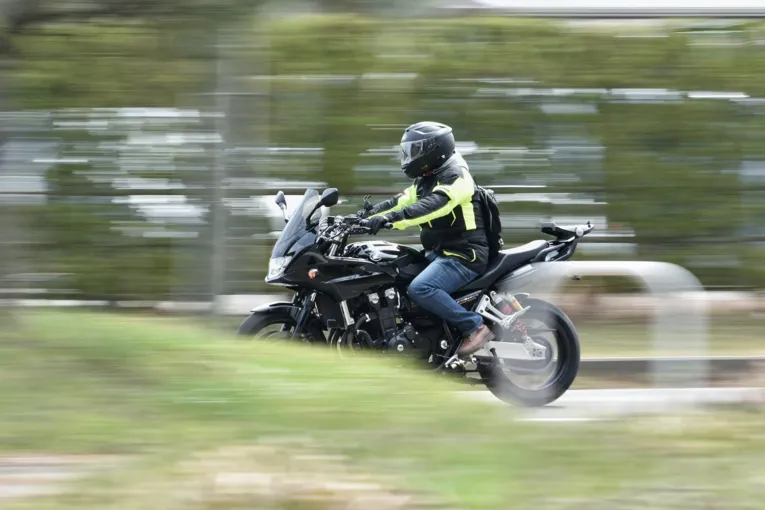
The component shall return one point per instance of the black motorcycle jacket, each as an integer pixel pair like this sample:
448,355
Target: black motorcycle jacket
446,207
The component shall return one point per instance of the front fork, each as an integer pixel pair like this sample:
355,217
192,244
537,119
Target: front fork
304,314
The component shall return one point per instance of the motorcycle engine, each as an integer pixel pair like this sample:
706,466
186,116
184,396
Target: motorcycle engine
402,341
386,329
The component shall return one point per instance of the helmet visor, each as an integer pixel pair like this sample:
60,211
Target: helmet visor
412,150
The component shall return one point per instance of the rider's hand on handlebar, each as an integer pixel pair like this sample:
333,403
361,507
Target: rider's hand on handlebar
362,213
376,223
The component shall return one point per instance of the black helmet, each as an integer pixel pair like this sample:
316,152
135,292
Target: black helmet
425,146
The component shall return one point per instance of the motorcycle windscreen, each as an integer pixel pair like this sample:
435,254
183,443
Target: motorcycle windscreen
295,235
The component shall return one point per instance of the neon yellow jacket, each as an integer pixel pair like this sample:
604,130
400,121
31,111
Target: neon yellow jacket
445,206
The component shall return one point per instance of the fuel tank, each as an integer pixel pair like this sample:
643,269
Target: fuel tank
408,260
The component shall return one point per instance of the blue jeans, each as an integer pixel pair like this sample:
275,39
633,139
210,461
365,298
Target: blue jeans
432,287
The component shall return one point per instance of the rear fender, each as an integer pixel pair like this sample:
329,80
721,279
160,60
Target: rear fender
522,297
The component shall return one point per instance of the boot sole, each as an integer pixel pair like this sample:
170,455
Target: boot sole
489,338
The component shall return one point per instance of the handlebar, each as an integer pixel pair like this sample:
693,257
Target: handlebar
365,223
348,225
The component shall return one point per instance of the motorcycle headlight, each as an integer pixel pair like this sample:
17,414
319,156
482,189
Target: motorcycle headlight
276,266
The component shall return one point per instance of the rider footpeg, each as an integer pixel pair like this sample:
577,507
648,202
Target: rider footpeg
453,362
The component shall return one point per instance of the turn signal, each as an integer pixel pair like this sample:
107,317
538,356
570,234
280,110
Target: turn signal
313,273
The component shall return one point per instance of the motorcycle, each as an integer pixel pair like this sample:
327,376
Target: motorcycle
351,296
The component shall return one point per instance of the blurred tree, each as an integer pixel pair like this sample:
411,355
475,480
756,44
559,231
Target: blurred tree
20,15
545,105
191,22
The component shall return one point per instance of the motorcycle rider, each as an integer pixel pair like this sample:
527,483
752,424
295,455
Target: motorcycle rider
443,202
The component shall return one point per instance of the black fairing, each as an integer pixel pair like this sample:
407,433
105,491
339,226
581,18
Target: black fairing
296,236
340,277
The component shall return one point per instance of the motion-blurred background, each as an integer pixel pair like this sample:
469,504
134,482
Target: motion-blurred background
141,143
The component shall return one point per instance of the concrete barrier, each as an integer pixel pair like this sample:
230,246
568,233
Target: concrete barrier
679,315
722,369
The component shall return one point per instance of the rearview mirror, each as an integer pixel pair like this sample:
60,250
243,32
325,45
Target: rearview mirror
280,200
329,197
282,203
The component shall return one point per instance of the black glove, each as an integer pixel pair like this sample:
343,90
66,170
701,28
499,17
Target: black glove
362,213
376,223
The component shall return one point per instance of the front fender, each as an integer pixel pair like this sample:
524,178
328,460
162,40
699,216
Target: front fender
284,309
275,307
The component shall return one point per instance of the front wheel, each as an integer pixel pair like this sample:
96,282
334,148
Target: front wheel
278,326
542,319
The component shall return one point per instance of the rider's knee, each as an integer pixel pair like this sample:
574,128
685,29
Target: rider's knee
418,290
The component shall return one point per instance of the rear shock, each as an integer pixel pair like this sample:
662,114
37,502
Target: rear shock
508,307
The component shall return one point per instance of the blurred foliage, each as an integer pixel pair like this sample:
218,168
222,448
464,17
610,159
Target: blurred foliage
544,102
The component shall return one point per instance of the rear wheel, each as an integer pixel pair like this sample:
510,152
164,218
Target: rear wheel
537,383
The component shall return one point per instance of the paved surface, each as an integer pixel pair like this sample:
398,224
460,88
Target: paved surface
44,475
591,405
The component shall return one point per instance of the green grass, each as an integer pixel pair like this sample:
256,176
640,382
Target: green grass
86,383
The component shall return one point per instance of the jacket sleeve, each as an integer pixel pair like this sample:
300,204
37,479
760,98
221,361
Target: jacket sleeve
448,194
396,203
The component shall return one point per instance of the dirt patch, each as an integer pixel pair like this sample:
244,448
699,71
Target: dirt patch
264,476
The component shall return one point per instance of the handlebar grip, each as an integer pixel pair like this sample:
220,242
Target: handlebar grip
365,223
